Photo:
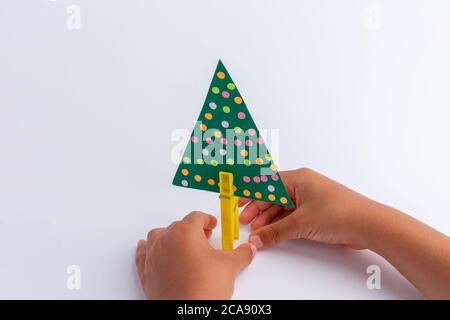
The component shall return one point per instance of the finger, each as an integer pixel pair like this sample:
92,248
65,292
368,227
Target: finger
140,257
267,217
277,232
243,201
154,234
204,220
252,210
242,256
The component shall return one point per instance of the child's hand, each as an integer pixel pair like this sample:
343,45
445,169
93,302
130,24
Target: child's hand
326,211
178,262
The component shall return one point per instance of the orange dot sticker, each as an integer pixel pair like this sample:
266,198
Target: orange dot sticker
211,182
234,188
258,195
283,200
244,153
271,197
238,100
185,172
220,75
259,161
203,127
274,167
217,134
246,193
198,178
208,116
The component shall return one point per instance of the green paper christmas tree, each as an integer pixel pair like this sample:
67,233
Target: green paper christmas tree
225,138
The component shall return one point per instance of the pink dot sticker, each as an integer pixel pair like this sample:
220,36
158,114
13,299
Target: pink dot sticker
274,177
194,139
224,141
248,143
225,94
241,115
251,132
246,179
264,178
260,140
209,140
237,142
256,179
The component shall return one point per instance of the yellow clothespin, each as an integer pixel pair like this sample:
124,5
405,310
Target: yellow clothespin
228,211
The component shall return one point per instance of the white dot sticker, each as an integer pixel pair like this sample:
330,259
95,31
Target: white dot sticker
212,105
184,183
271,188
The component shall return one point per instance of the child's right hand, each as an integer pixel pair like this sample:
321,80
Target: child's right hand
325,211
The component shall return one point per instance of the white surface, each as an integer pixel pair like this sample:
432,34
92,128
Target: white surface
86,119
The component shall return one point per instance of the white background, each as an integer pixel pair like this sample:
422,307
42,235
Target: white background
86,119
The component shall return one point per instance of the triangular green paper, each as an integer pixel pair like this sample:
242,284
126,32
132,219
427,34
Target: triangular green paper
225,138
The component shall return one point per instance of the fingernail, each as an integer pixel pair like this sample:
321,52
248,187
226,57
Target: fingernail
140,242
254,249
256,241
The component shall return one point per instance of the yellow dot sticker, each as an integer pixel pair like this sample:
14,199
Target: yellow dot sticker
259,161
244,153
246,193
271,197
258,195
283,200
198,178
217,134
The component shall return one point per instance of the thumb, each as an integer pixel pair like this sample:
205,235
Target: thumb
242,255
272,234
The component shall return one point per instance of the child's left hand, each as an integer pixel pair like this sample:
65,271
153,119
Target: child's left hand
178,262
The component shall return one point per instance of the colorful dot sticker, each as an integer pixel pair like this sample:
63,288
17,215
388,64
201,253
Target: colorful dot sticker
200,161
203,127
215,90
214,163
213,105
208,116
271,197
275,177
244,153
225,94
231,86
264,178
247,162
256,179
258,195
198,178
225,124
246,179
283,200
194,139
230,161
259,161
187,160
220,75
226,109
211,182
238,100
271,188
184,183
246,193
241,115
185,172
